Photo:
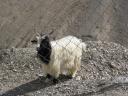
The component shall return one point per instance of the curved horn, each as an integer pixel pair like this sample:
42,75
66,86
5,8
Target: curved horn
50,33
38,34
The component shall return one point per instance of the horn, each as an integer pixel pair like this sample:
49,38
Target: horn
50,33
43,34
38,34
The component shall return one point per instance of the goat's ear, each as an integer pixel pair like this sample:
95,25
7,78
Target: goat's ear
38,34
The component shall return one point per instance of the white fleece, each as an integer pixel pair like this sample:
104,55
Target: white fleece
65,57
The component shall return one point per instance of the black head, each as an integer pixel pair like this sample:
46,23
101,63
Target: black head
44,48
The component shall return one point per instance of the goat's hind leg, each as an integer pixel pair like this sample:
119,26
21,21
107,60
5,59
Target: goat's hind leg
56,76
72,73
48,76
55,80
76,67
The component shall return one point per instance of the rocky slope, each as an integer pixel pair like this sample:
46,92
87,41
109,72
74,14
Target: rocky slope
104,72
88,19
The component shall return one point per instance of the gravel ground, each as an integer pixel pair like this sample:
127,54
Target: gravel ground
104,72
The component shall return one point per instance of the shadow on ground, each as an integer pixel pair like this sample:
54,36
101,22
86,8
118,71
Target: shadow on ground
104,88
32,86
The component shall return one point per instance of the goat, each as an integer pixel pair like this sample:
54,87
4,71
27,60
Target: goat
61,56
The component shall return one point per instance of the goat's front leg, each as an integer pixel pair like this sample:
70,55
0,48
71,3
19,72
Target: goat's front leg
48,78
56,76
55,72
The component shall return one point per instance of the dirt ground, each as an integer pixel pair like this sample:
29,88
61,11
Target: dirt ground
103,72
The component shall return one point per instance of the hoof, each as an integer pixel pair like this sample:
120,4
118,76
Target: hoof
49,76
69,77
55,81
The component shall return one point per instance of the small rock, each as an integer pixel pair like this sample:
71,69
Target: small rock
39,75
14,70
12,49
78,78
12,62
38,92
47,80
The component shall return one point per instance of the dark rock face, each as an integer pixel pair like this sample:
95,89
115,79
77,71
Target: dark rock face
103,72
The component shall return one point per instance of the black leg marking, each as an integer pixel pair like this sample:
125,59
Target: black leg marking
55,80
48,76
69,76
